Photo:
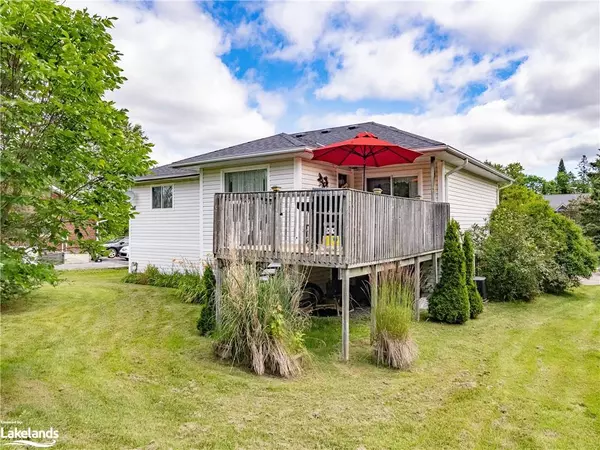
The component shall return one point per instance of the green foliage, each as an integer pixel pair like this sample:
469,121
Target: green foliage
561,166
93,247
135,278
21,271
68,154
393,345
206,322
475,301
261,323
530,248
450,299
590,211
192,287
575,255
564,182
510,260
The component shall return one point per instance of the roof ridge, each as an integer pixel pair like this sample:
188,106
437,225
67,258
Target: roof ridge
329,128
418,136
235,145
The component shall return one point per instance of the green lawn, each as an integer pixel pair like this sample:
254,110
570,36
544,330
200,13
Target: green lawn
111,365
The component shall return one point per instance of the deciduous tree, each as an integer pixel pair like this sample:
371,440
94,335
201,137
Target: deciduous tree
590,211
68,154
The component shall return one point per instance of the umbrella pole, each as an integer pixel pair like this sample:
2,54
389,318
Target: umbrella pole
364,177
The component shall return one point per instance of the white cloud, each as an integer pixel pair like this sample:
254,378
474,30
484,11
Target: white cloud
548,109
302,23
490,131
177,87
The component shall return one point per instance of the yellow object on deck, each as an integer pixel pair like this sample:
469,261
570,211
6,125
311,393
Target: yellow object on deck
331,241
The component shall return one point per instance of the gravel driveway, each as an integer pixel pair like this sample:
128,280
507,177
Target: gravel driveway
594,280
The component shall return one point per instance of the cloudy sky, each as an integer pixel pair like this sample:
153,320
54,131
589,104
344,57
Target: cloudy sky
499,80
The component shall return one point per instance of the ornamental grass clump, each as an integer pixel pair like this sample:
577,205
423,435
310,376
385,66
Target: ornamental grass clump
393,345
450,299
475,301
261,325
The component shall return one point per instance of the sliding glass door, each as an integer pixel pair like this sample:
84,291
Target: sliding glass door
246,181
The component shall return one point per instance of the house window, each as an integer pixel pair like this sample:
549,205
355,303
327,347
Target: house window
382,183
246,181
398,186
162,197
406,186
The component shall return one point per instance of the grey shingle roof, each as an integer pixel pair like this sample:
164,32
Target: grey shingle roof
280,141
558,200
301,139
314,138
167,171
328,136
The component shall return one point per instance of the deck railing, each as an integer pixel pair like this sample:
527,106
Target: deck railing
327,227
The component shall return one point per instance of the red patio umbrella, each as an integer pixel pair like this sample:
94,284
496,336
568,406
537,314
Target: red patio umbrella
365,149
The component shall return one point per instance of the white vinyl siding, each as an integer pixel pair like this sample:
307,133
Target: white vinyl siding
471,198
160,236
280,173
311,171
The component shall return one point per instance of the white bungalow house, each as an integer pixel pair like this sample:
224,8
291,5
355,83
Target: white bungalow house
268,201
175,203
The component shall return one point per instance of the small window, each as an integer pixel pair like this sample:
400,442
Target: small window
382,183
162,197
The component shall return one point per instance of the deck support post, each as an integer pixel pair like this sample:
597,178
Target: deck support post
374,294
218,290
417,275
436,268
345,314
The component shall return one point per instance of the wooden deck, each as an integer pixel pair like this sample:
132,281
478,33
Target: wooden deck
341,228
358,232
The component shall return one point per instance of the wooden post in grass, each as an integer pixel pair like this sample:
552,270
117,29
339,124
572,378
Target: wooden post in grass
417,275
374,293
218,290
345,315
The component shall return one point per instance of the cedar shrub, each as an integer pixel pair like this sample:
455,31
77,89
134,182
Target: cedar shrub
207,322
475,301
450,299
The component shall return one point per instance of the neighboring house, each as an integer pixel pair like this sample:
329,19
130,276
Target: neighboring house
68,252
560,202
175,203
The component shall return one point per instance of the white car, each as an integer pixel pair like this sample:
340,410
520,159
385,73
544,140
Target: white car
124,253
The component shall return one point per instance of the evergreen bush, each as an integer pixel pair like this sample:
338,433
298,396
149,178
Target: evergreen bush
206,322
450,299
475,301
